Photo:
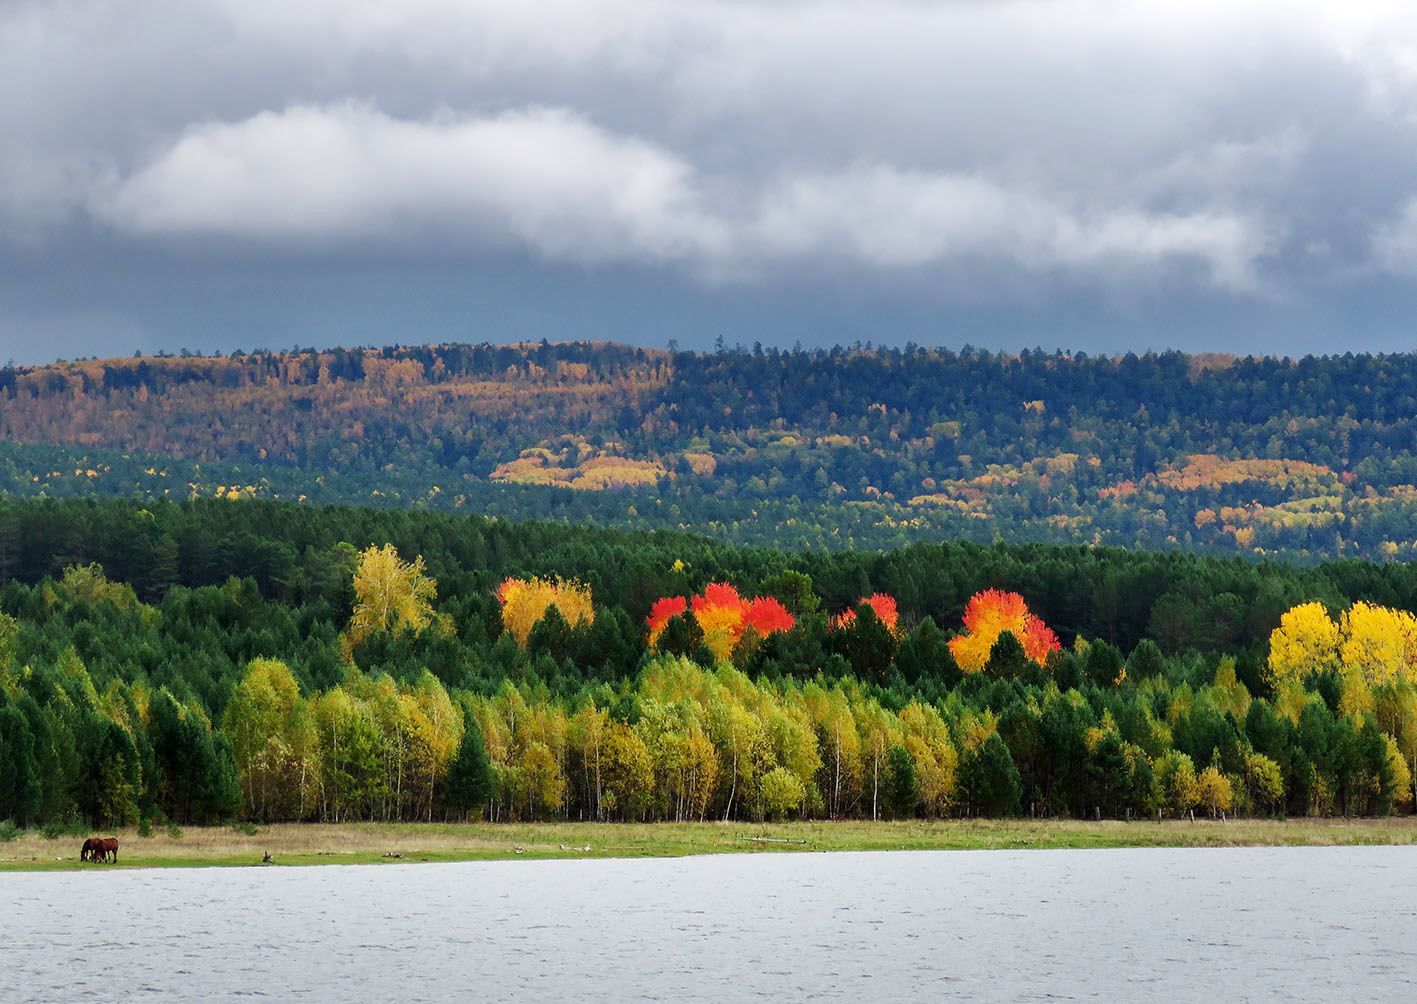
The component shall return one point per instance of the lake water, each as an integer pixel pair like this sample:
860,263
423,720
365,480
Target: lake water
1320,924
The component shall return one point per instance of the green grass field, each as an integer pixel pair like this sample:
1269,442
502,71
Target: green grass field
375,843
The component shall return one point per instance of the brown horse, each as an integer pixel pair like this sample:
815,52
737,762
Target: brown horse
99,849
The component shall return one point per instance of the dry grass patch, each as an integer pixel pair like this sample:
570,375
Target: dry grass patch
368,843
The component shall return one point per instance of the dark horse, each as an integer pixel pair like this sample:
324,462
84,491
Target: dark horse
99,849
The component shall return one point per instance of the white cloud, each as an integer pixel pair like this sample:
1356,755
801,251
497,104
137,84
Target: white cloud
885,217
544,178
550,182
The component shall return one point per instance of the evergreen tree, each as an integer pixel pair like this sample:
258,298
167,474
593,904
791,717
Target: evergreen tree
1007,659
901,799
469,785
989,780
21,794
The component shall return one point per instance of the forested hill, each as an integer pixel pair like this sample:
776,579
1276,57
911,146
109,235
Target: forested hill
174,663
873,448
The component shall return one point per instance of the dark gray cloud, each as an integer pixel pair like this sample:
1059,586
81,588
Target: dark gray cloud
1074,172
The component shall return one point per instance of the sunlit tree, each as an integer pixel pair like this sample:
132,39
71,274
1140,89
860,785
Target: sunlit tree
1305,642
390,594
525,602
1378,642
1213,790
723,616
988,615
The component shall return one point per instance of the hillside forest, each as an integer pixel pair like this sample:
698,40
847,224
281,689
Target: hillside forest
842,449
207,660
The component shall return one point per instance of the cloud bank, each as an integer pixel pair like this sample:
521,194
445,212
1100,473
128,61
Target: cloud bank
1258,154
552,182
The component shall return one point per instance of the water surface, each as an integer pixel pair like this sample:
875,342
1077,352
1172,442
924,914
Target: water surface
1247,924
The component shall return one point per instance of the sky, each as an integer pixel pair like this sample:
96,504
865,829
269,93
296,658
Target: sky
1092,175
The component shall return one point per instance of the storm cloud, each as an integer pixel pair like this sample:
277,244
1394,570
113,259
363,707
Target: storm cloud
1206,175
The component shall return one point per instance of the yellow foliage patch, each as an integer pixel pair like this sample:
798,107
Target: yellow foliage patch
595,474
525,602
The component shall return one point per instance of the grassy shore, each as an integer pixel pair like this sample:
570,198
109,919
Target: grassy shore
375,843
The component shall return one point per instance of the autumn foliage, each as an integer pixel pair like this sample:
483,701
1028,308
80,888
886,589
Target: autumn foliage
988,615
881,603
525,601
1373,642
391,595
723,615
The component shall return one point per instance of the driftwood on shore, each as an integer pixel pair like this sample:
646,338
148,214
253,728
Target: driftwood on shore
774,840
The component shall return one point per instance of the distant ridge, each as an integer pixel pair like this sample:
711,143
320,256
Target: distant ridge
847,447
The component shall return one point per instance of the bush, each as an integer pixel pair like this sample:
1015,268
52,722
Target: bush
174,831
8,830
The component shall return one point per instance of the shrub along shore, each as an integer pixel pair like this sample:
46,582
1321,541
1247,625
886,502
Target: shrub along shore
290,844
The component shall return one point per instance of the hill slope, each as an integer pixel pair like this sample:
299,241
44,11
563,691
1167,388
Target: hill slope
845,448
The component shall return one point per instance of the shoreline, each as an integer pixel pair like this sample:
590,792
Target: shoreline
292,844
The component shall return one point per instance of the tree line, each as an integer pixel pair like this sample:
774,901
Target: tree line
370,664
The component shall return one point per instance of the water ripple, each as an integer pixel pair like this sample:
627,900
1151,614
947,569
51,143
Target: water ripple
1141,925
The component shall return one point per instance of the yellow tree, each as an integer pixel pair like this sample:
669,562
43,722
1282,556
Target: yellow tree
540,780
496,719
780,792
304,765
743,748
879,731
1176,785
1396,709
628,773
87,582
390,595
381,695
1213,790
433,730
927,740
663,730
700,772
1227,693
791,733
525,601
586,742
256,724
346,737
445,723
1264,781
840,748
545,776
1306,641
1378,642
504,724
677,683
1401,776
